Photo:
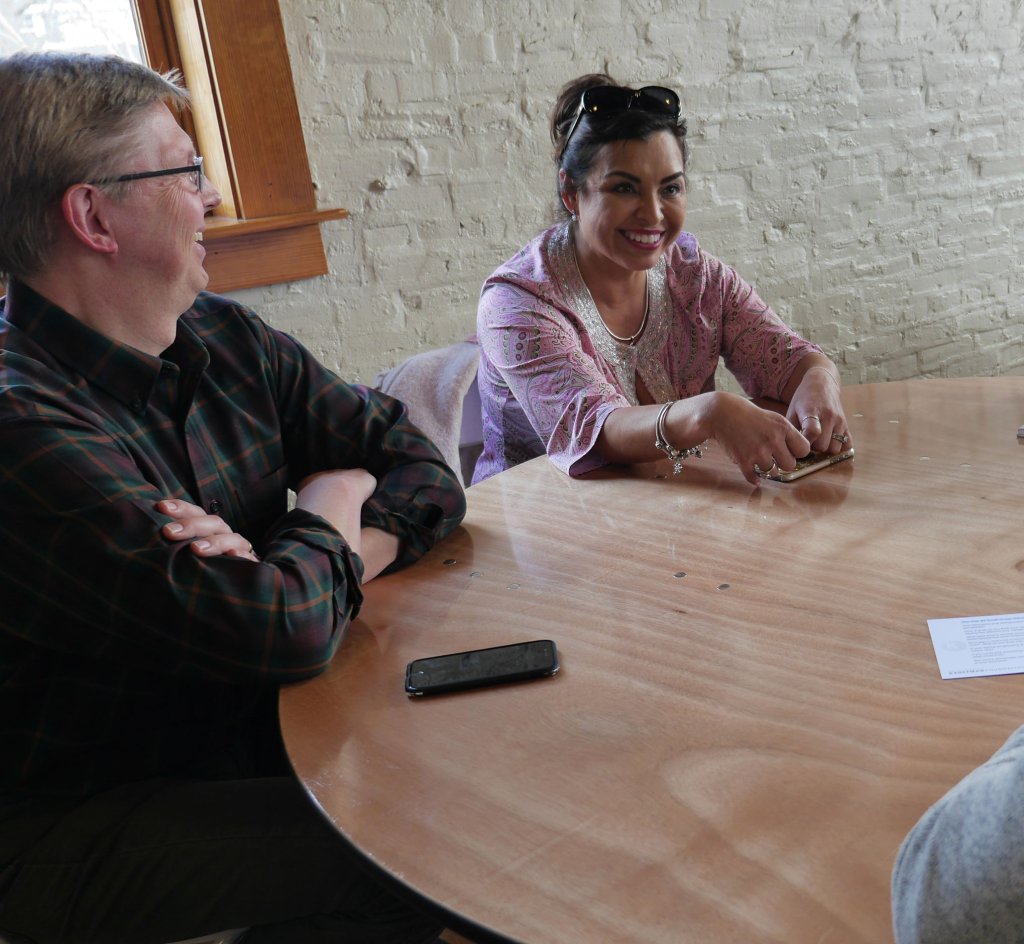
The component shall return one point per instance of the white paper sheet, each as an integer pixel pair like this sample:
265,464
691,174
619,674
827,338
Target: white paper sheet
978,645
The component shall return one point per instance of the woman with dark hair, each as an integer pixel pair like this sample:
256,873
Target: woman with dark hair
600,338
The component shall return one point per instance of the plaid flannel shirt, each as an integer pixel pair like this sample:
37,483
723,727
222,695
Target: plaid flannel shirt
123,655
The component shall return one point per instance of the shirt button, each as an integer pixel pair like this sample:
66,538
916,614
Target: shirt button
215,507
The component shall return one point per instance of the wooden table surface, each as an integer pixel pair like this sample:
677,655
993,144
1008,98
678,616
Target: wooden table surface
749,715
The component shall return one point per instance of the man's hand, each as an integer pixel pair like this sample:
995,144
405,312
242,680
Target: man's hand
336,495
210,535
339,495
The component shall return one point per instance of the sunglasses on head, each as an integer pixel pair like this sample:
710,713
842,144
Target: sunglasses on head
603,101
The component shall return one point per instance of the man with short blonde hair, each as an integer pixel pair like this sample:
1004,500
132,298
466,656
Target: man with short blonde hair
157,590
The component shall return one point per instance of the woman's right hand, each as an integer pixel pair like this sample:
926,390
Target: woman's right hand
751,436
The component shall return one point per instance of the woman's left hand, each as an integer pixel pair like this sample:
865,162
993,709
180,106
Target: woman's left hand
817,411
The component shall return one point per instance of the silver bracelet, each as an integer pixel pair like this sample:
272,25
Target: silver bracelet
676,455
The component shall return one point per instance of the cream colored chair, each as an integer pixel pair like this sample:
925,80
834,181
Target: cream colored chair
440,391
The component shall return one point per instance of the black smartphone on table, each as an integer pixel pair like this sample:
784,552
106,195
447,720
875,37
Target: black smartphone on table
477,667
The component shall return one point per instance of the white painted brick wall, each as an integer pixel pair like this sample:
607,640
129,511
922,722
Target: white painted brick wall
859,162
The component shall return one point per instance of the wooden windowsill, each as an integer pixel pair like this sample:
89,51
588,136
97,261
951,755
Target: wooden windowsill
223,227
265,250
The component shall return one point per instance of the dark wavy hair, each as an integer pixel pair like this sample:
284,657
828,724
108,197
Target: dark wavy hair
590,136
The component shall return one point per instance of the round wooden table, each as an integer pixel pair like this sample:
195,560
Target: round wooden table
749,715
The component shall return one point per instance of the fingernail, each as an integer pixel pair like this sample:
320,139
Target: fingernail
175,528
202,545
170,505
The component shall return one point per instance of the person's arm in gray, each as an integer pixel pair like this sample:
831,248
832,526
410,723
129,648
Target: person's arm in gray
959,875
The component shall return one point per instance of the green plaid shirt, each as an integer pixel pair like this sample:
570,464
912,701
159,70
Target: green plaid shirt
124,656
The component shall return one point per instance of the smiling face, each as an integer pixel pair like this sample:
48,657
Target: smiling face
631,207
158,225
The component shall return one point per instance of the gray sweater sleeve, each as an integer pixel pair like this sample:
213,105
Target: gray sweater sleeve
959,875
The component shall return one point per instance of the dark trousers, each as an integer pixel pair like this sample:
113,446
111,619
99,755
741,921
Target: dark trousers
166,860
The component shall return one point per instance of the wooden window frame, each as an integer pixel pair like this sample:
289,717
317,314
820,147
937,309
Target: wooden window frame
245,121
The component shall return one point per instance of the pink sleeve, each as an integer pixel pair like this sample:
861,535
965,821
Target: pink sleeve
758,347
551,371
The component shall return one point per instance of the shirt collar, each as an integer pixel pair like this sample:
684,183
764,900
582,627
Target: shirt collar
120,370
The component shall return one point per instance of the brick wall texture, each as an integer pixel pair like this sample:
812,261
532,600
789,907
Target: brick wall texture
859,161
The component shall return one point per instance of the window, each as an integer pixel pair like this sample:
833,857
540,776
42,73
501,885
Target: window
245,121
103,27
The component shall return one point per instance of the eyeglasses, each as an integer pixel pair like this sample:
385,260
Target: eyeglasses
603,101
195,169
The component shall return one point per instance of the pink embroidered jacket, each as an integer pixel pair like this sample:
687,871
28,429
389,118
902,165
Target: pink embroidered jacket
550,374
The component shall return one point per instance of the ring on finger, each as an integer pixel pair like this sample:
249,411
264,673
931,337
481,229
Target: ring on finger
841,438
807,419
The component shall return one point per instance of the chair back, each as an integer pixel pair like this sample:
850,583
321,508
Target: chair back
440,391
